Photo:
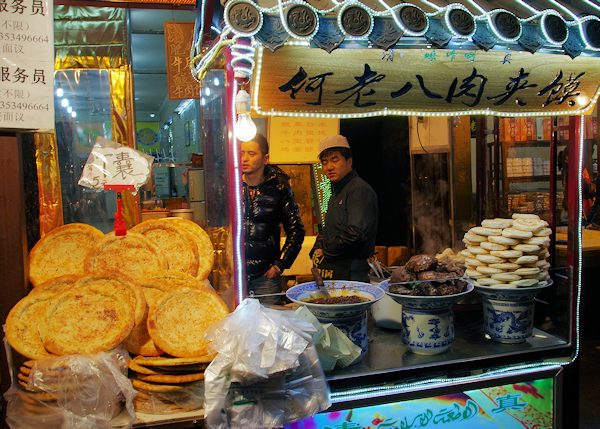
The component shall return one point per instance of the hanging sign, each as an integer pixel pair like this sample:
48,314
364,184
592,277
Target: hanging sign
178,42
367,82
26,64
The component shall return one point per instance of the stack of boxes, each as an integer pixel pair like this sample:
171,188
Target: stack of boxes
531,202
527,167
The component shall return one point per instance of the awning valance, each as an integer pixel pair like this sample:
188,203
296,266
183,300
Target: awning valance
571,27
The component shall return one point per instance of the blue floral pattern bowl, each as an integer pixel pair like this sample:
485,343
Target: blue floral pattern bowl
508,312
427,321
350,318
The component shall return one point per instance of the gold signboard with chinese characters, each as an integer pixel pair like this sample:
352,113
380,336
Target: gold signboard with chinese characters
364,82
296,140
178,41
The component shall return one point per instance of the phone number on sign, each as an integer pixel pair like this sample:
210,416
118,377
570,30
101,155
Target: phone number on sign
12,105
12,37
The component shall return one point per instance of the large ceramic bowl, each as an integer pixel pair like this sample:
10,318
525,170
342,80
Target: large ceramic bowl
425,303
350,318
305,291
508,313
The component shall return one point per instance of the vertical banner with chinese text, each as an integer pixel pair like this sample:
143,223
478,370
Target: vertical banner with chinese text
178,42
26,65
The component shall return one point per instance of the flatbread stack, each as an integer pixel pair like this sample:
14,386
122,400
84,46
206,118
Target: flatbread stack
168,385
508,253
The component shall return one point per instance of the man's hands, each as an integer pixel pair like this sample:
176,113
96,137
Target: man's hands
273,272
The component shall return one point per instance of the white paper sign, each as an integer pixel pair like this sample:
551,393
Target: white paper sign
26,64
110,163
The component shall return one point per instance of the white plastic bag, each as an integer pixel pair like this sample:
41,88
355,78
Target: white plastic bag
267,371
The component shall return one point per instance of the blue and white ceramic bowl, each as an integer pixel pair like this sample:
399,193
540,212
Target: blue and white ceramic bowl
508,313
427,321
425,303
350,318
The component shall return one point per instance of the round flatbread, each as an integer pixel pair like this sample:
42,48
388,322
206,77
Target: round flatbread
480,230
516,233
474,274
529,271
171,361
525,259
89,319
133,255
525,216
62,252
505,241
488,270
206,251
486,281
544,232
506,266
467,254
472,262
174,379
150,387
540,241
474,238
177,323
528,224
56,285
497,223
489,259
24,322
507,253
477,250
525,283
527,248
489,246
177,244
506,277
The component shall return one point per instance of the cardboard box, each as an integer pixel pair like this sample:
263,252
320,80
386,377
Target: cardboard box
397,255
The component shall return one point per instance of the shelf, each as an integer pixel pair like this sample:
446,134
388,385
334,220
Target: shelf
529,178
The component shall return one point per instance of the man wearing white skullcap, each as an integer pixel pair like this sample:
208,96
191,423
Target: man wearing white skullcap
348,237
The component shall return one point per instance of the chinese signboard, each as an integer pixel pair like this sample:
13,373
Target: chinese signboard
511,406
420,81
26,64
178,42
296,140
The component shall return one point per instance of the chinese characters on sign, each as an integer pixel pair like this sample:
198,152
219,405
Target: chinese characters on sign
110,163
26,64
295,79
178,42
296,140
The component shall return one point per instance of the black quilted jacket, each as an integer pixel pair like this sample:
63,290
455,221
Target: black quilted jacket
273,205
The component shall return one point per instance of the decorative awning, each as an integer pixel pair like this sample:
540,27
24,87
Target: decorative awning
570,27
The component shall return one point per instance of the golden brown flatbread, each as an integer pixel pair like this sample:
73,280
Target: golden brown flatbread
56,285
173,361
177,244
178,322
89,319
151,387
170,378
24,322
206,250
62,252
132,255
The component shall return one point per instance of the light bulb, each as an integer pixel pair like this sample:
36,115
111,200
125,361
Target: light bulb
60,92
74,114
216,81
245,129
69,109
207,91
64,102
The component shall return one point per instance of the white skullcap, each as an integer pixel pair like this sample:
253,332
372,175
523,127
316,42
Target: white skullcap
333,141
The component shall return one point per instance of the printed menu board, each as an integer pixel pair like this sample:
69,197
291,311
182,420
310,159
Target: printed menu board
296,140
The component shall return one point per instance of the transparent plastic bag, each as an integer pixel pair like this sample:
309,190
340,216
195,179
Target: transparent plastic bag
114,164
267,371
74,392
159,403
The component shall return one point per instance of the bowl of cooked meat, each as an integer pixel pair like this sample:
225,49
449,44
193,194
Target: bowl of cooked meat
427,290
346,307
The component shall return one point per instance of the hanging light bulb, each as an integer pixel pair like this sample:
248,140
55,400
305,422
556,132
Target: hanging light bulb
59,92
245,129
64,102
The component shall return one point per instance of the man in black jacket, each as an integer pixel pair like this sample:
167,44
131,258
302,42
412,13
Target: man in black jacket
348,237
268,203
